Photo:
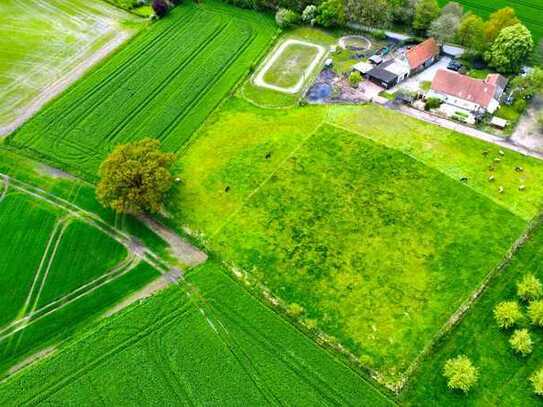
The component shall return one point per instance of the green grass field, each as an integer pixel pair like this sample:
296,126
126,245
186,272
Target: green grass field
290,66
503,375
530,12
42,43
163,84
204,342
59,267
365,238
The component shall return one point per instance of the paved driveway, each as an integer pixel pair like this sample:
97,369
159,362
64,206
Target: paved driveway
413,84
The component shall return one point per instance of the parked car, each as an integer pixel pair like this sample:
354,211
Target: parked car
509,98
455,65
383,51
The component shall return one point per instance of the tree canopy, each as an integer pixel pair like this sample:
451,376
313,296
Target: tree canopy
135,177
510,49
498,20
426,11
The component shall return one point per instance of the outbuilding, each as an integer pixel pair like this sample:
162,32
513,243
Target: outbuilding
381,76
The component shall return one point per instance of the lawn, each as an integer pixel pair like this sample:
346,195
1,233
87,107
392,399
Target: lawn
530,12
503,375
59,268
43,43
218,346
291,65
163,84
365,239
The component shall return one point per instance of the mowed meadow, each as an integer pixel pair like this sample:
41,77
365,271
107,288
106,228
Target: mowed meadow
360,234
530,12
163,85
205,342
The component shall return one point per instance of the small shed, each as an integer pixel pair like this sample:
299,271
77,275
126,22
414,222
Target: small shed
499,122
363,67
376,59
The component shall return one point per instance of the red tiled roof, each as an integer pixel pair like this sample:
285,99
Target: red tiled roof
497,80
463,87
421,53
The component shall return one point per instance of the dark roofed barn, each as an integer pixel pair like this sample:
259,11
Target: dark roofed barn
380,76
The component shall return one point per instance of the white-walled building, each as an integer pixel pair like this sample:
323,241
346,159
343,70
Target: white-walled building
473,95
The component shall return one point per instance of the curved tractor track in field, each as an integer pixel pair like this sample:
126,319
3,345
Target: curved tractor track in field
136,253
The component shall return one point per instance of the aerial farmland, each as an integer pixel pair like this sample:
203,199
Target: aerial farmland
260,203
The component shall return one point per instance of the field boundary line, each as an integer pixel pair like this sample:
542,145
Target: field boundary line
410,155
457,317
246,200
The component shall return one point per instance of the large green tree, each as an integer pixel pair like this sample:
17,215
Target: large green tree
510,49
135,177
426,11
371,13
499,20
444,28
471,33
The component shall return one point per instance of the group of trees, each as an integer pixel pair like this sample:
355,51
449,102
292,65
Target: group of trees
460,372
502,41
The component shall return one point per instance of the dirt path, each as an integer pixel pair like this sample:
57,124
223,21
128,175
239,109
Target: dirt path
153,287
469,131
180,248
527,132
59,86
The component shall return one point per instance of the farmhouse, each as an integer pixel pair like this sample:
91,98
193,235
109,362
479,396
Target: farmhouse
389,73
422,55
474,95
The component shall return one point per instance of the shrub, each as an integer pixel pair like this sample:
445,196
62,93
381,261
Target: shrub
537,382
355,78
535,312
286,18
379,35
521,342
160,7
460,373
331,13
432,103
507,314
309,14
529,288
295,310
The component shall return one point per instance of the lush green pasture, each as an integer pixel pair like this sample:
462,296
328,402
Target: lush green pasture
376,247
529,11
503,375
58,271
163,84
204,342
42,42
454,154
